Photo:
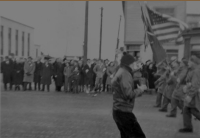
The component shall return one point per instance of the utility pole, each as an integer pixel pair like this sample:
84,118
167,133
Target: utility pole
100,33
117,46
86,33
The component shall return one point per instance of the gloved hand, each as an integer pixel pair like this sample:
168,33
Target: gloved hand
187,99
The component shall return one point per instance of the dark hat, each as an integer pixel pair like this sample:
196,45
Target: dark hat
195,59
127,59
29,57
47,58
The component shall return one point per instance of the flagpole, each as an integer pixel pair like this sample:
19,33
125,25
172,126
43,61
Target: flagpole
86,32
117,46
100,33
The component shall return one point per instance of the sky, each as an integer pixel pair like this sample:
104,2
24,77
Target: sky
59,25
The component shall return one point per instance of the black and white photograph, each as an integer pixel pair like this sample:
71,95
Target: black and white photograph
100,69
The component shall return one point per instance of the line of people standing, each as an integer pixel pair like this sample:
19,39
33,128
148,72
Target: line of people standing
73,75
179,85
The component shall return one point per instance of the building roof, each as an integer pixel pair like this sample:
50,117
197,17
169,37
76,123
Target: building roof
193,14
17,22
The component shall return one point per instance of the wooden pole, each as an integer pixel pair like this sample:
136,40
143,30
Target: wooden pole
100,33
117,46
86,33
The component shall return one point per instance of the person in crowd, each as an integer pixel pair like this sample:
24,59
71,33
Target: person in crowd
7,71
58,74
160,85
18,73
67,73
75,78
37,74
82,76
88,71
110,71
178,95
151,78
99,71
94,63
170,87
124,100
29,69
46,74
192,95
12,61
105,75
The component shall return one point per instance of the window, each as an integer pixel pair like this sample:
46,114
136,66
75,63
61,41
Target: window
36,52
16,37
169,11
2,40
193,24
28,45
172,53
9,41
22,43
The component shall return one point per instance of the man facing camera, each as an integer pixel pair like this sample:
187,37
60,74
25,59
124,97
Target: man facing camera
124,99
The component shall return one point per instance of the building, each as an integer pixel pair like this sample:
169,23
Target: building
16,38
193,20
192,42
134,27
37,51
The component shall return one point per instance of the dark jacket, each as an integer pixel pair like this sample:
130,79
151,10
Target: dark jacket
7,70
46,74
37,73
18,73
58,72
123,88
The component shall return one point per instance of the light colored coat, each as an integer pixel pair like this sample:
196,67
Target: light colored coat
29,68
193,90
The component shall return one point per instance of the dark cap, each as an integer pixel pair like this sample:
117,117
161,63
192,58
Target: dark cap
127,60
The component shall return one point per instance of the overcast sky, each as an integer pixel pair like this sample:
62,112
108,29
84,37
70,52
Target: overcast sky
59,25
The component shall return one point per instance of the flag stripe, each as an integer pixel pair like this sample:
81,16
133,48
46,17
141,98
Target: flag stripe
165,37
166,31
164,25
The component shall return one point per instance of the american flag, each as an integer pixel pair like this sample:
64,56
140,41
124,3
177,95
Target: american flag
166,28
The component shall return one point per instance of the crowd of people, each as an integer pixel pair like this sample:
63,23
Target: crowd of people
72,75
175,82
68,75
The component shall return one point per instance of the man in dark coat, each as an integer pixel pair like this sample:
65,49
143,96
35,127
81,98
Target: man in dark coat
18,73
124,99
58,74
37,74
7,70
46,74
88,71
105,75
94,75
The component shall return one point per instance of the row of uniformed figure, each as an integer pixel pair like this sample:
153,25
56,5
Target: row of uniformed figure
179,84
73,75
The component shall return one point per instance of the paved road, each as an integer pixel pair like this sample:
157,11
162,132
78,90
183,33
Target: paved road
61,115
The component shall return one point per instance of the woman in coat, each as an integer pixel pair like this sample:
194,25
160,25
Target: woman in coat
7,71
18,73
82,76
37,74
192,95
110,71
46,74
67,73
89,74
58,74
29,69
